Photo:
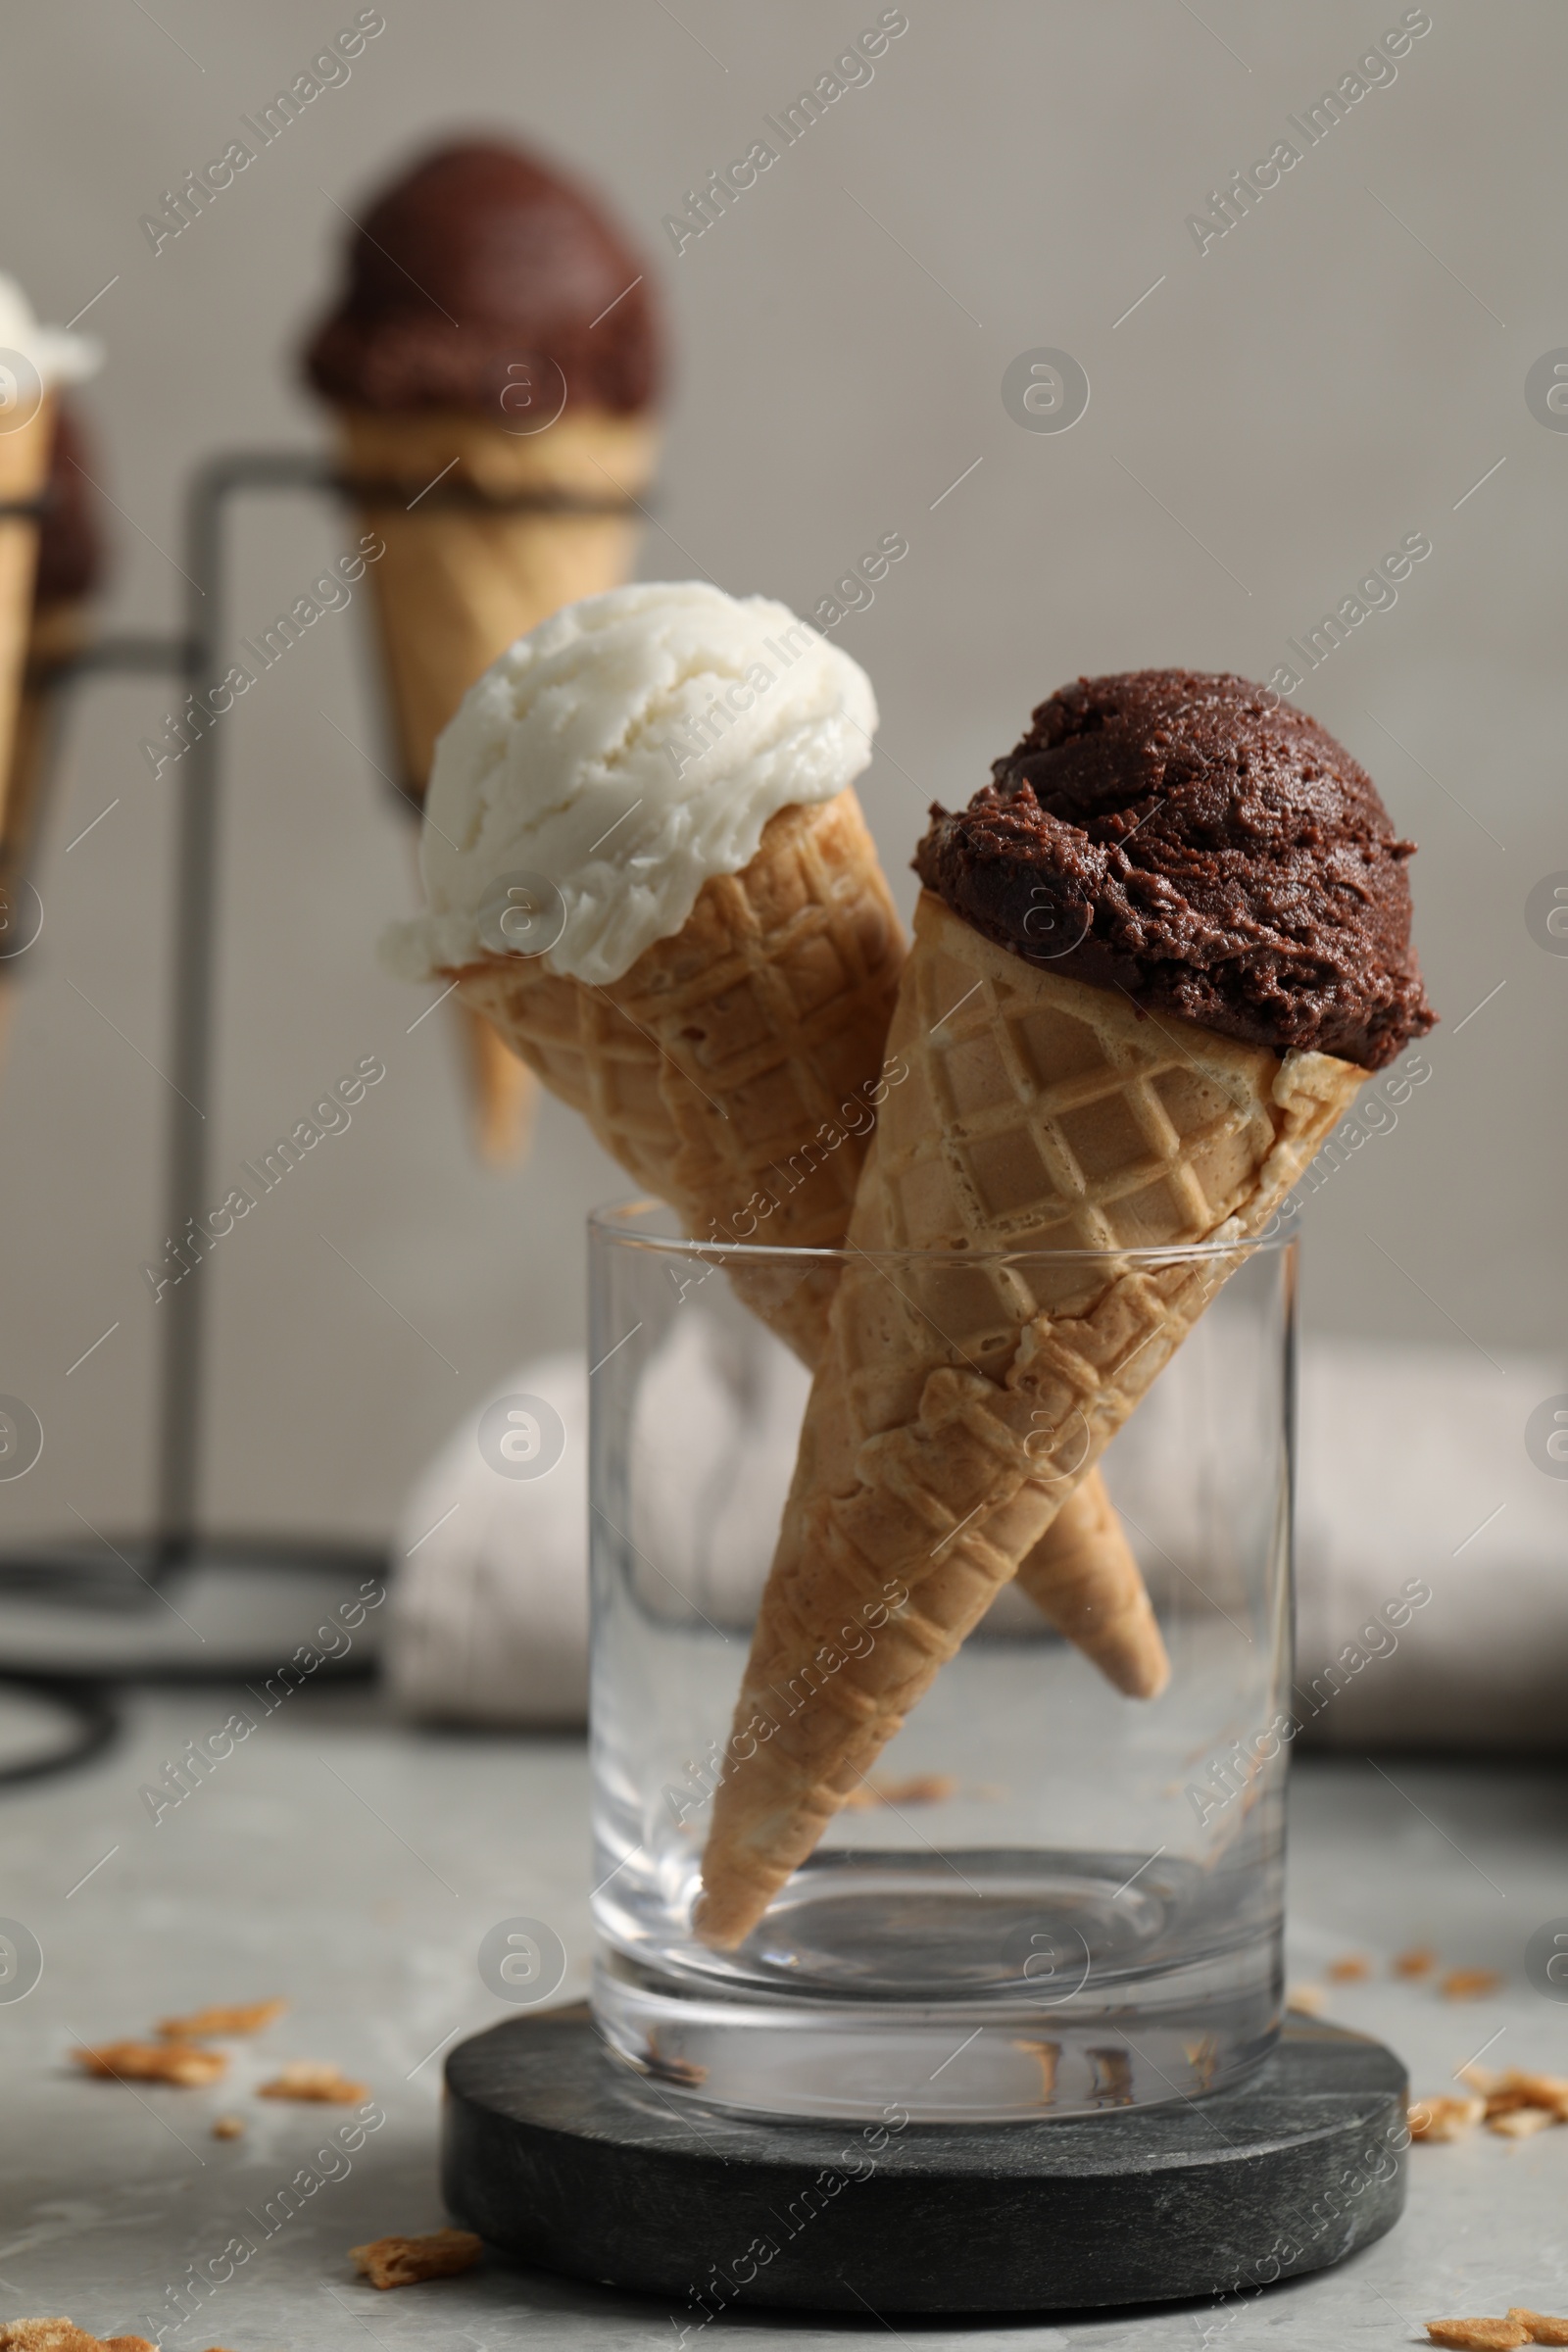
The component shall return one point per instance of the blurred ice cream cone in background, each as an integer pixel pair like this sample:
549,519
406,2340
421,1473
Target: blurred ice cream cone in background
67,575
504,1093
23,471
493,367
43,496
34,361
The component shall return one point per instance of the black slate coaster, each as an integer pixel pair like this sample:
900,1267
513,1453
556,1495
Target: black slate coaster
561,2155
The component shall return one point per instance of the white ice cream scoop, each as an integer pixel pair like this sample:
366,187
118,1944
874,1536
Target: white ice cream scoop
53,356
615,758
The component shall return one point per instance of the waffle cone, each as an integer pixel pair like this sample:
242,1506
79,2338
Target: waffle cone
455,585
458,584
1084,1575
503,1093
57,634
960,1393
616,1069
735,1069
56,637
24,474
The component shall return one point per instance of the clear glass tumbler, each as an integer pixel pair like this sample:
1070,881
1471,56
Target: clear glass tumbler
1053,1899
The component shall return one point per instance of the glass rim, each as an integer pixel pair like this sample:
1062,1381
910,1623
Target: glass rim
610,1223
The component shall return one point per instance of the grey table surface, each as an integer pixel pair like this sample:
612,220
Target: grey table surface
354,1866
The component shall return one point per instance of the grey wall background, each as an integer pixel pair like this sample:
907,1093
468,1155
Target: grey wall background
1336,372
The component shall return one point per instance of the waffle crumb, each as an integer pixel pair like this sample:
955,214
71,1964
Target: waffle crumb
1351,1969
1417,1963
219,2022
405,2261
1543,2329
317,2080
1519,2089
153,2062
922,1788
1520,2122
1478,2336
1469,1983
1445,2117
63,2335
1310,1999
229,2126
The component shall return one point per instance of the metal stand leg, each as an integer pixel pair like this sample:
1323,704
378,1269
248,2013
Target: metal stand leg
200,663
199,659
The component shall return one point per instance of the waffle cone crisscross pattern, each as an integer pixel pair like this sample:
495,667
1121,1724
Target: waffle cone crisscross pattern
586,1051
734,1069
614,1068
962,1392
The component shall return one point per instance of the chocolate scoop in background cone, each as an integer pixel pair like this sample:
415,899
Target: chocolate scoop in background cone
493,366
1044,1112
67,573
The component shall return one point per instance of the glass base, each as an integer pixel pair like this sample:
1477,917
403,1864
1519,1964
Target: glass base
1094,2009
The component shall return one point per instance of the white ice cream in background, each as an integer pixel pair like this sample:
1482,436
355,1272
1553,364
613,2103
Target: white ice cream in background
54,356
622,753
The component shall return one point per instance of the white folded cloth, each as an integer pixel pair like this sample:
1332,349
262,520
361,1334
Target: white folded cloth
489,1615
1414,1471
1413,1479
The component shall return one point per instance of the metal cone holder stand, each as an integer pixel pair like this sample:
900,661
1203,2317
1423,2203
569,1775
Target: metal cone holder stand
133,1567
559,2153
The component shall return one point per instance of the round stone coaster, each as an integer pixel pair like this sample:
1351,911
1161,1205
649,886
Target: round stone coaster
560,2155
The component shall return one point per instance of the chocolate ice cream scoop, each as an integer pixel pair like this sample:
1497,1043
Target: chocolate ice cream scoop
481,273
1206,848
